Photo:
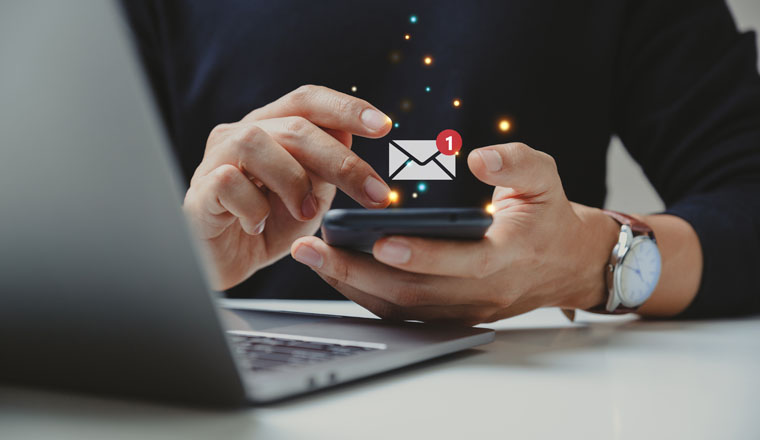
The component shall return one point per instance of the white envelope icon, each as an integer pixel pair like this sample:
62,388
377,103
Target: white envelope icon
419,160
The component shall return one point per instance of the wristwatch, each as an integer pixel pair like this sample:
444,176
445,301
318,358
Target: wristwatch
634,266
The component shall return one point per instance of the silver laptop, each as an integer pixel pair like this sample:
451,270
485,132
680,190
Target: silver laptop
101,284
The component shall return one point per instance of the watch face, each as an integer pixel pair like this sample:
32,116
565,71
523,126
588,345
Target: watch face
639,271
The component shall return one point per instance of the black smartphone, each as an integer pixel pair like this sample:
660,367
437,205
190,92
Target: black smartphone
358,229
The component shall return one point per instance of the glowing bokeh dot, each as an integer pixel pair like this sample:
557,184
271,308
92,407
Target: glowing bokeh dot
504,125
456,103
393,196
421,187
490,208
412,19
354,89
414,195
427,89
407,36
428,60
395,125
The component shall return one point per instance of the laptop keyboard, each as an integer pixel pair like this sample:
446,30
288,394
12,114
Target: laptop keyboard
268,352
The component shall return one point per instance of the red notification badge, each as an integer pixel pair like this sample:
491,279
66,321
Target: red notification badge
448,142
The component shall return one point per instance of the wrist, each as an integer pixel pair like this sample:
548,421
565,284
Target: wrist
595,240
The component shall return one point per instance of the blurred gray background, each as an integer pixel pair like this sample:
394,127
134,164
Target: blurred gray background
627,188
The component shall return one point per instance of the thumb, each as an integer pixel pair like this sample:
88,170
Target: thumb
527,171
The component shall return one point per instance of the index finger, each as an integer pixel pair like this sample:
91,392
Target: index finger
327,108
321,153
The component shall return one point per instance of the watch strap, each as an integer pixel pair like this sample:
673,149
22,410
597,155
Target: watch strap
636,225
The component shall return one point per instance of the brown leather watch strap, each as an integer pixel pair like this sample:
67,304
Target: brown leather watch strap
637,226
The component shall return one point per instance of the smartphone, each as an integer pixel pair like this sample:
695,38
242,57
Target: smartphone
358,229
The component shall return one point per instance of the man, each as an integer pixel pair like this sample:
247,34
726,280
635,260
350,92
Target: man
674,80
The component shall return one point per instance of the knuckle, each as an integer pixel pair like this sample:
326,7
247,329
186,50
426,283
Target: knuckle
250,135
199,173
551,165
549,161
349,166
190,204
216,134
299,179
302,94
225,176
296,127
246,143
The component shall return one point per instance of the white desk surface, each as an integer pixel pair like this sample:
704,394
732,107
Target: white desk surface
543,377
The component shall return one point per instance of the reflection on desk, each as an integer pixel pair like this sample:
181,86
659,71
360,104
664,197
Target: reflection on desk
600,378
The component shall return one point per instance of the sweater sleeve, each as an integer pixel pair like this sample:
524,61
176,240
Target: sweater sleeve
687,105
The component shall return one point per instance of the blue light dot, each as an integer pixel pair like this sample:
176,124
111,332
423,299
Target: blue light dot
412,19
427,89
395,124
421,187
408,162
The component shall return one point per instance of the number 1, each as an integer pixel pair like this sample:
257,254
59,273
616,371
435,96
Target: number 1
450,140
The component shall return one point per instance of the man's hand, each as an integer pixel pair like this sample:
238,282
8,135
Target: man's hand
268,179
541,250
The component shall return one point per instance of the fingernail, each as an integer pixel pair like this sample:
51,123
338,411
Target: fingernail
308,256
491,159
376,190
394,252
373,119
260,227
309,206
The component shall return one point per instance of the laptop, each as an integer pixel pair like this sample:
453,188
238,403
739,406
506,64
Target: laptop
102,286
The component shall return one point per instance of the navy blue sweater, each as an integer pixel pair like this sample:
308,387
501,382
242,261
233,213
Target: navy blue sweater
673,79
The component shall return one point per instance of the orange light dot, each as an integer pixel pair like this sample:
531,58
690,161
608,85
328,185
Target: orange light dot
407,36
457,103
428,60
456,154
490,208
393,196
504,125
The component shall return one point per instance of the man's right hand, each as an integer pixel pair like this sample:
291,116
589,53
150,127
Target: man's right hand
268,179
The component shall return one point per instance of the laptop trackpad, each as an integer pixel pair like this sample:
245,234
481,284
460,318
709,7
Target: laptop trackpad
237,319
